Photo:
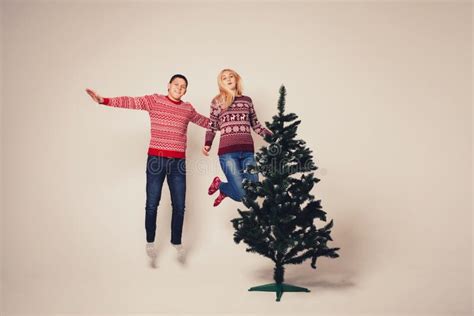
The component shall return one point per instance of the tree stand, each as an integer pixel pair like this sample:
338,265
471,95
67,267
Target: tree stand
279,289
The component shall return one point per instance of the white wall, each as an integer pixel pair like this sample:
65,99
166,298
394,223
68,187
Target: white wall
1,159
384,93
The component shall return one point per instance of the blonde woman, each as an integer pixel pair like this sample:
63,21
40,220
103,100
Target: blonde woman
233,114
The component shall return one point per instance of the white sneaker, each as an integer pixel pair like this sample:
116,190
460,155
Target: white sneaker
181,253
151,253
151,250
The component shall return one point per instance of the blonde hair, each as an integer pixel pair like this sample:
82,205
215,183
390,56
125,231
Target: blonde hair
226,96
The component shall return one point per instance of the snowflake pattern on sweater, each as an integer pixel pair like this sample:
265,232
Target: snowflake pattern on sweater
169,121
234,124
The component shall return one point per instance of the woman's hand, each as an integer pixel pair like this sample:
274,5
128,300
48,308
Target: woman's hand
97,98
205,150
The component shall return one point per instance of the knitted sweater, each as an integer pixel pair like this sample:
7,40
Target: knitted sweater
169,121
234,125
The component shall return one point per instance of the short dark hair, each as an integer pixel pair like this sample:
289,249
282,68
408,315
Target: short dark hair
179,76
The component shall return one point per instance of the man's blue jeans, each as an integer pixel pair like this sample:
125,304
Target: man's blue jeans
174,170
234,166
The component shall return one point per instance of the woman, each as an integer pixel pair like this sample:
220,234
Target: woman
234,115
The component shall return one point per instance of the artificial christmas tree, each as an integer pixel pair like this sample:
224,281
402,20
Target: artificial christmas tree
279,220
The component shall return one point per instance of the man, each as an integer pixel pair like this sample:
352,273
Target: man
169,117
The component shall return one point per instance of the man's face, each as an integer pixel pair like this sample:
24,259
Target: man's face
177,88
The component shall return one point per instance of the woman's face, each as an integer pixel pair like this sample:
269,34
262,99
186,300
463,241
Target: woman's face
229,80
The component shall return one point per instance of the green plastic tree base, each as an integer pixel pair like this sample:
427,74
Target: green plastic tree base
279,289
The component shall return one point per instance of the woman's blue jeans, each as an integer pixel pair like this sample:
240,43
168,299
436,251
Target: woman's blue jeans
174,170
234,167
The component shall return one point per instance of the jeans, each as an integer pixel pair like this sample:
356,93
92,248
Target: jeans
174,170
234,166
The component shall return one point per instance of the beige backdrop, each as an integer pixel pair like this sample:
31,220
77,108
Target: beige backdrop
384,93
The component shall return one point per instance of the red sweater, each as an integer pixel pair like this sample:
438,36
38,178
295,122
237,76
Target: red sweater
234,124
169,122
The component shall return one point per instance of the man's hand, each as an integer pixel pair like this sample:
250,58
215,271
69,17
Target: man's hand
97,98
205,150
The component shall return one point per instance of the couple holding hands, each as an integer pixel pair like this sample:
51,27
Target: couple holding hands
231,113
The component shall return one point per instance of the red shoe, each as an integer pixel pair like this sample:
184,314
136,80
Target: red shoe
219,199
214,186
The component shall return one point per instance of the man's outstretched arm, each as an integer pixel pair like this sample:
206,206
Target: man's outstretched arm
134,103
199,119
